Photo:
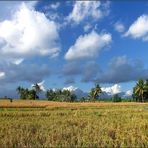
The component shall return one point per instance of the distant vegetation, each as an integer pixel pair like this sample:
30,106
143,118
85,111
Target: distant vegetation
140,94
32,94
61,95
116,98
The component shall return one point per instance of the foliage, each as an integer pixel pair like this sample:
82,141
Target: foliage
25,93
116,98
60,95
94,93
83,99
37,90
140,91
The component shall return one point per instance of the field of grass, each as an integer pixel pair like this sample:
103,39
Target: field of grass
25,124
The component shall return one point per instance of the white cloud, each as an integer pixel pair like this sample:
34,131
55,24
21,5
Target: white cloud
41,85
87,27
139,29
8,8
115,89
128,93
119,27
55,5
17,61
85,9
28,33
88,46
2,75
70,88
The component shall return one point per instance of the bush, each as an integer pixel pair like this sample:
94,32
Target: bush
116,98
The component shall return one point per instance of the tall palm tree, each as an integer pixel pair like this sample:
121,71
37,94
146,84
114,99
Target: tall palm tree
97,91
37,89
139,89
21,92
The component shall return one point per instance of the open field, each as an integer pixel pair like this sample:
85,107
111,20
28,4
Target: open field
53,124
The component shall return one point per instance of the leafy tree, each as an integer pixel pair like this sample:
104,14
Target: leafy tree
60,95
32,95
82,99
22,92
25,93
116,98
73,97
50,95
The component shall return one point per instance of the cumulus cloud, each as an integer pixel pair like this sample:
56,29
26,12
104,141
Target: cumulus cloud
18,61
2,75
128,93
88,46
87,27
70,88
86,9
90,71
139,29
119,27
71,69
115,89
122,69
28,33
31,73
55,5
8,8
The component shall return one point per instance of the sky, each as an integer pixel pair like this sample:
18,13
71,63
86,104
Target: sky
73,44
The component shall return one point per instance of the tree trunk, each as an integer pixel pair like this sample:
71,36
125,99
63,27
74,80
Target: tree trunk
142,98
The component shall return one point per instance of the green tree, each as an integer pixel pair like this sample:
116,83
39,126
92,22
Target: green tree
139,90
73,97
116,98
60,95
22,92
66,95
32,94
94,93
50,94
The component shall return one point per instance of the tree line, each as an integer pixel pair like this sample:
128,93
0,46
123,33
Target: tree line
140,93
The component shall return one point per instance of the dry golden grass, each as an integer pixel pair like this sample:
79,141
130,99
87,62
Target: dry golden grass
50,104
59,124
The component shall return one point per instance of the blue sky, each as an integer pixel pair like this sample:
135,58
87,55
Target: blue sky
77,44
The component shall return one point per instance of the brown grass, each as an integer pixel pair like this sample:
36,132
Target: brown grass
59,124
50,104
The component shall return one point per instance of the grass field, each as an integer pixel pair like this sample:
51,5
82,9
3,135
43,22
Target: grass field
25,124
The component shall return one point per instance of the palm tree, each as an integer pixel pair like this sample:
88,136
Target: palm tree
97,91
21,91
139,89
50,94
37,89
